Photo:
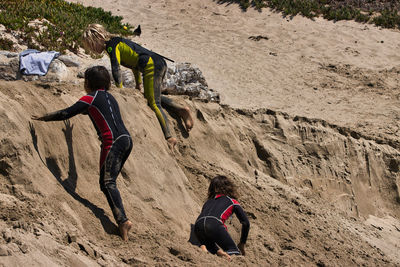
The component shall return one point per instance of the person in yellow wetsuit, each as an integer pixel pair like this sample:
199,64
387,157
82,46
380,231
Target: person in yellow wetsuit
151,65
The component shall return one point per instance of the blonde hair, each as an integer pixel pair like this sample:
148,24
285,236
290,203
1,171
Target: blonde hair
94,37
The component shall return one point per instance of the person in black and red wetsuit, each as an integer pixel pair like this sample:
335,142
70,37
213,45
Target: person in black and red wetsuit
210,228
116,141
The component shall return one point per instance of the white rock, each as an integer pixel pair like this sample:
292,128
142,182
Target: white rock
70,61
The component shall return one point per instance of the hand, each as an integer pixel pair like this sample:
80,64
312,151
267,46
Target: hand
241,248
37,118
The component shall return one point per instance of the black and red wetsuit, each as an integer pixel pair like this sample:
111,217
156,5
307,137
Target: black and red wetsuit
116,144
210,227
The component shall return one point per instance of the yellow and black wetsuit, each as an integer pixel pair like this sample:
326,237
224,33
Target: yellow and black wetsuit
152,66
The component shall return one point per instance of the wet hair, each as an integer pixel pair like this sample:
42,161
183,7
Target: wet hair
94,37
97,77
222,185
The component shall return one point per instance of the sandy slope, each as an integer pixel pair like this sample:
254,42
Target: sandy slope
307,186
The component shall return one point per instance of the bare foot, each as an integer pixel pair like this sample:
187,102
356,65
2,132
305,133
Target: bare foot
203,248
187,118
124,229
171,142
223,254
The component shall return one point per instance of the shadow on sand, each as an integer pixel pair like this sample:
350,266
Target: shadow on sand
69,184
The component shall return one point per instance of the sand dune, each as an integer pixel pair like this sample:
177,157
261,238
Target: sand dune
308,128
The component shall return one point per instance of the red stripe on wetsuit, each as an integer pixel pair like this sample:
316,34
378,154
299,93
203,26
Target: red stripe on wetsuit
228,212
101,123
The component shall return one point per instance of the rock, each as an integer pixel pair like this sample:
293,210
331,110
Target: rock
69,60
128,79
181,78
104,61
8,68
8,54
185,79
57,72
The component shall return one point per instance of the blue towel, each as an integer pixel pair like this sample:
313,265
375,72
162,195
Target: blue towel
34,62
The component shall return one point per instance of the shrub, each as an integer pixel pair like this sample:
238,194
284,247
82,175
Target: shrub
6,44
388,19
358,10
66,22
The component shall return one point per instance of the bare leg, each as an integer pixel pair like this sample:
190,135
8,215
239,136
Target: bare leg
124,229
182,111
223,254
171,142
187,117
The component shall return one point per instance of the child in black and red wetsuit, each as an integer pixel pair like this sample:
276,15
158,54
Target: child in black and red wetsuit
116,145
210,228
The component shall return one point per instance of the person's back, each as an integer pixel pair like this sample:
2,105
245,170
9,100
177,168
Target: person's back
105,114
222,207
126,52
210,228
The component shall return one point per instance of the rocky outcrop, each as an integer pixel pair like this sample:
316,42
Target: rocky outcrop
181,78
185,79
9,69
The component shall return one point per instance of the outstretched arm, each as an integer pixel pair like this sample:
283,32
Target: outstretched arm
63,114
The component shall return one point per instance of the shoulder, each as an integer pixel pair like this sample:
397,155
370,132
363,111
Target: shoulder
112,43
88,99
234,201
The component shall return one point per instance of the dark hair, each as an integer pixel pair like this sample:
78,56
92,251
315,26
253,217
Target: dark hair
222,185
97,77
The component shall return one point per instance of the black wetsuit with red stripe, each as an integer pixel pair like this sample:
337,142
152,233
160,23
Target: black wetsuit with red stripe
116,145
210,227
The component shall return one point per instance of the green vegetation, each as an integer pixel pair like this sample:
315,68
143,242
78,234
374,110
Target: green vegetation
384,13
63,22
6,44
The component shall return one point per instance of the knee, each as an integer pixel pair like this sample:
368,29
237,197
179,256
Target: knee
107,185
156,107
151,102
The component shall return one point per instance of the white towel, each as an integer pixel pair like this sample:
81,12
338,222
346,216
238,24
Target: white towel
34,62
